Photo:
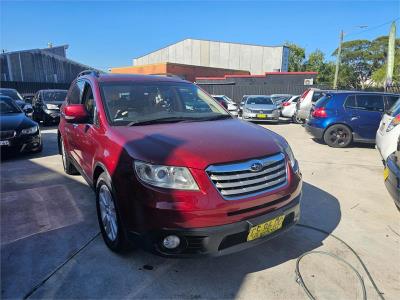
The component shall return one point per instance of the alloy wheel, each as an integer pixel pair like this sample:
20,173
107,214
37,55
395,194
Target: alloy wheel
107,213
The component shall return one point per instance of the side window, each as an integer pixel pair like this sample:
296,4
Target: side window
75,93
88,101
370,102
350,102
316,96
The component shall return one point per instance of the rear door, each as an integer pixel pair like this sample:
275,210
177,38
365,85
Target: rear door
370,108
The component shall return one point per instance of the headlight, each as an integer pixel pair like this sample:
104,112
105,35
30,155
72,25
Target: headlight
51,106
246,110
165,176
290,155
30,130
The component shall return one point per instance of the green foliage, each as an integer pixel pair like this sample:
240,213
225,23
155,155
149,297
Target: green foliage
297,56
363,63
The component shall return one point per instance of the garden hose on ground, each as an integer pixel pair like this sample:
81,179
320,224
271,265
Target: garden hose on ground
300,280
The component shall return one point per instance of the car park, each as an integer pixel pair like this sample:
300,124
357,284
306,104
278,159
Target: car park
289,107
260,108
165,177
339,118
389,131
391,174
18,133
46,106
229,104
19,100
305,103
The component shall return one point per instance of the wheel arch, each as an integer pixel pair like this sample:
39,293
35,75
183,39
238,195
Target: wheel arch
99,168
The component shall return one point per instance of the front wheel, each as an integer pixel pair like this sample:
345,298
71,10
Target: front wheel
110,224
338,136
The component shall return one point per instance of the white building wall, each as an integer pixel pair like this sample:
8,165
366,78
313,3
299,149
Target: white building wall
256,59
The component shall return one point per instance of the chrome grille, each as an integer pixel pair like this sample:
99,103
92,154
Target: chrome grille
244,179
7,134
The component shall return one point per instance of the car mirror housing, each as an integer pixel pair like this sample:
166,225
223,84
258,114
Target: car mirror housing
28,110
75,113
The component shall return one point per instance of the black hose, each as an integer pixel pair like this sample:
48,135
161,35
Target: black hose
300,279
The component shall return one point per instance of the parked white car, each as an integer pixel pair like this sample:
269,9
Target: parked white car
232,106
389,131
289,107
304,105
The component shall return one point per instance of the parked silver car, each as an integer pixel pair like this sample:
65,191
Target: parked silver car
260,108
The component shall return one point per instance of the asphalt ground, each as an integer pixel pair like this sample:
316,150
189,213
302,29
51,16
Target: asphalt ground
47,217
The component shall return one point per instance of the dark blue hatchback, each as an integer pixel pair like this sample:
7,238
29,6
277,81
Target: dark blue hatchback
341,117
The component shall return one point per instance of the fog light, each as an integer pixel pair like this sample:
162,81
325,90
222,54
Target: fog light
171,242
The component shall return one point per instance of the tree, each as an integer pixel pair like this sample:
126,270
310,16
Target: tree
379,75
316,62
297,56
357,58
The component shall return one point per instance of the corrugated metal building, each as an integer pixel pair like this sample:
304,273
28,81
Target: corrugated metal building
48,65
236,86
253,58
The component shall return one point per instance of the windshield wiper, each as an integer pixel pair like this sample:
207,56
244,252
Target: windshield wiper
160,121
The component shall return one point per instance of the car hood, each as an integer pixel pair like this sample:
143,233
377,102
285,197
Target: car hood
199,144
15,122
260,106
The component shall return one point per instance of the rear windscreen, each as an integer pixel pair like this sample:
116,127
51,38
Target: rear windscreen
323,101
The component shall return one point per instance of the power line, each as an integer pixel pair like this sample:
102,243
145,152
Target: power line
372,28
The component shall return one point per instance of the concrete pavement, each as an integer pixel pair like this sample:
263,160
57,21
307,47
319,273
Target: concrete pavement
46,216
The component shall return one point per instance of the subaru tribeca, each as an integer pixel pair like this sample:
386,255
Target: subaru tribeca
171,176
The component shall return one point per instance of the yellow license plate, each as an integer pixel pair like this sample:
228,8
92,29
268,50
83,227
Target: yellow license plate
262,116
385,173
265,228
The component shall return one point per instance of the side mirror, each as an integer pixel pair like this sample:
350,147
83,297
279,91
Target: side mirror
75,113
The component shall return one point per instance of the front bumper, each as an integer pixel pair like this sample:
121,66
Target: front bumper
24,143
274,117
314,131
217,240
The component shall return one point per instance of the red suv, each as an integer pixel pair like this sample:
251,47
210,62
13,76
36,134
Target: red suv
172,170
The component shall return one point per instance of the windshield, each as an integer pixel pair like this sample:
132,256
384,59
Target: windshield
54,96
128,102
395,109
259,100
13,94
8,107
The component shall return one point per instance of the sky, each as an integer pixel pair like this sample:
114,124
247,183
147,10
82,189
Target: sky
105,34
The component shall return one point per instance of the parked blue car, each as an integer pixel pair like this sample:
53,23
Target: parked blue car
341,117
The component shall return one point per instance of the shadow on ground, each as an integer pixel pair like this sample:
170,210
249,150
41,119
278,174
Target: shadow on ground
98,273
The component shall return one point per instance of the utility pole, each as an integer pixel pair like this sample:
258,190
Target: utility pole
338,60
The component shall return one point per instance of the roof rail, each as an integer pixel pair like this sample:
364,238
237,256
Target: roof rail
89,72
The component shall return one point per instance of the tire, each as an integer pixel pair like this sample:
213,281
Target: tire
297,120
69,168
112,231
338,136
